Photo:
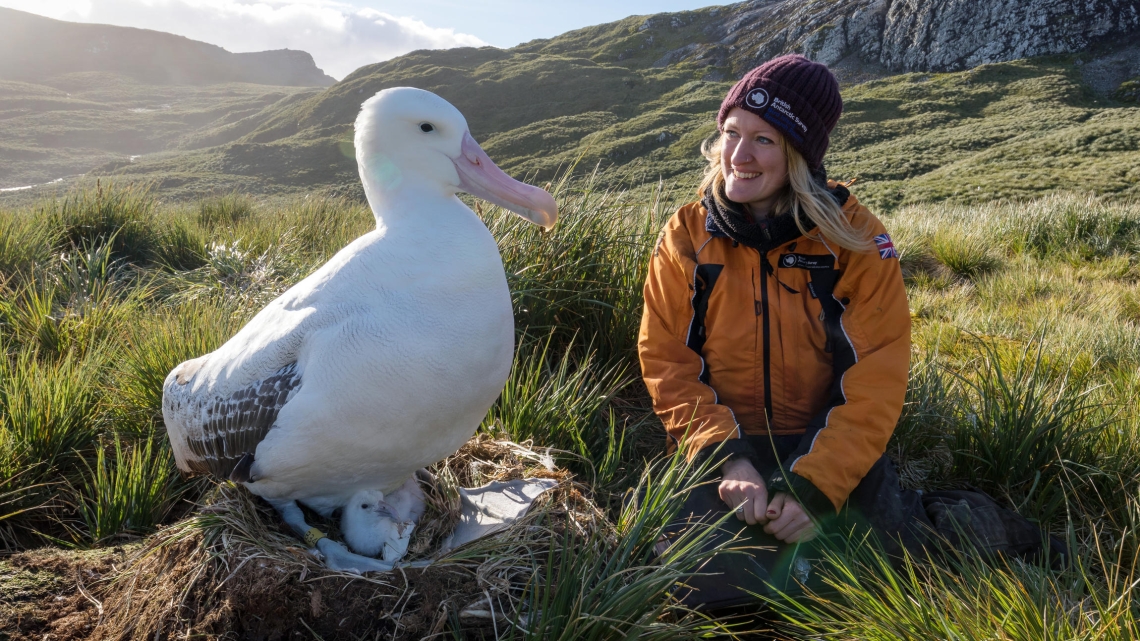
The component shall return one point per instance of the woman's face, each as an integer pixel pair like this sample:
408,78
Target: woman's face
753,161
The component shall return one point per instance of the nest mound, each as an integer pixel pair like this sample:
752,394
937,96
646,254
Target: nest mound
232,569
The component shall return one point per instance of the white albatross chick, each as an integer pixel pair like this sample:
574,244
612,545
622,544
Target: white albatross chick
381,526
386,358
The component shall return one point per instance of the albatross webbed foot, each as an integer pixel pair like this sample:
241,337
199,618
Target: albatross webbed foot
336,555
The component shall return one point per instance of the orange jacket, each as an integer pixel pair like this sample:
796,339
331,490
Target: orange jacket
727,334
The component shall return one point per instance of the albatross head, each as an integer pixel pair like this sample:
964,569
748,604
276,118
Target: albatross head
409,137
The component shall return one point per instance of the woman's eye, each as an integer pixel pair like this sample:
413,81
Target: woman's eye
427,127
763,140
732,134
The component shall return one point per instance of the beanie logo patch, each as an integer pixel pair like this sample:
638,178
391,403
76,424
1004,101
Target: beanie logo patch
757,98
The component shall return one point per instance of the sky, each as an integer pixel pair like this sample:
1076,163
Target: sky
343,35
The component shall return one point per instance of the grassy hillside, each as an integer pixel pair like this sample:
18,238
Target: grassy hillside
636,97
66,125
1025,382
1015,129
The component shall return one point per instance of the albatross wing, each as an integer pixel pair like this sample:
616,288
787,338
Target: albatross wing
211,433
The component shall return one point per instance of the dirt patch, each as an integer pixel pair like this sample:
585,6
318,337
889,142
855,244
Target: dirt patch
42,592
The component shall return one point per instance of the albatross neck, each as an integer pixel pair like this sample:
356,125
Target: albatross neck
406,205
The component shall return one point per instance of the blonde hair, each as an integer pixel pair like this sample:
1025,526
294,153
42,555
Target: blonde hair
804,196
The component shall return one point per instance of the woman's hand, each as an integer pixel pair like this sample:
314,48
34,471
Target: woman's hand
741,485
788,520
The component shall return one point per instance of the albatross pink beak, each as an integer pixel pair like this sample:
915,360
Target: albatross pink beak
480,177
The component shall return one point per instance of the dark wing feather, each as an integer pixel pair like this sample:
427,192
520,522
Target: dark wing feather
235,425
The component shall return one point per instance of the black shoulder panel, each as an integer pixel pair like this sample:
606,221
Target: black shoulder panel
704,279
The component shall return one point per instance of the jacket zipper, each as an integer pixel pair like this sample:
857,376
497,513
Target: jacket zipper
767,339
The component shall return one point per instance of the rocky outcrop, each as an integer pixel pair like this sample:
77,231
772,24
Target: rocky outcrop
905,35
285,67
33,48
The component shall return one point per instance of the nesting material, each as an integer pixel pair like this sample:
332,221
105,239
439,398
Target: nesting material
234,567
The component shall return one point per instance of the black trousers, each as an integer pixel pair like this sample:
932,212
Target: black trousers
878,509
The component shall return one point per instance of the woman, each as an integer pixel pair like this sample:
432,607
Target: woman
776,329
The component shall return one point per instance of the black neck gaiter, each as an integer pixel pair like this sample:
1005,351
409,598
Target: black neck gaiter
733,221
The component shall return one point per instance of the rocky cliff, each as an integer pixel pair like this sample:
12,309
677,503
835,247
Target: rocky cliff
900,35
33,48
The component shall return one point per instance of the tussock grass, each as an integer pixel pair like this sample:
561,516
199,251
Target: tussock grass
132,492
152,346
46,411
1025,381
615,584
560,401
226,210
588,271
1022,425
23,244
122,217
964,597
968,256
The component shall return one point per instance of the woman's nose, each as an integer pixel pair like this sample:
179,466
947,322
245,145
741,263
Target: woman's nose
741,155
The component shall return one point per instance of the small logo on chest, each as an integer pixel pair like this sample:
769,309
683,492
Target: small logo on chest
807,261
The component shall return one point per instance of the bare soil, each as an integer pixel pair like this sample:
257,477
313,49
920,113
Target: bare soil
42,592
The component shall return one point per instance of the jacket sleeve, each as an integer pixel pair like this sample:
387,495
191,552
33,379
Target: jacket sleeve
671,369
871,349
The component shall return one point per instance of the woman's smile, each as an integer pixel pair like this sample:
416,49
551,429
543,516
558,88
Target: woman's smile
744,175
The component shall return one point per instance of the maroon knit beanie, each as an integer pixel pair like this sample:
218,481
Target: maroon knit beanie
798,97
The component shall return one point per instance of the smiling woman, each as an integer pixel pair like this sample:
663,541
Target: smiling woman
776,338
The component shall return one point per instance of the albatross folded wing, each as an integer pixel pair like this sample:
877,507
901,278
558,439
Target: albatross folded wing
230,427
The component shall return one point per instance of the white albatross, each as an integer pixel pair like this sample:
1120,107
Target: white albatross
387,357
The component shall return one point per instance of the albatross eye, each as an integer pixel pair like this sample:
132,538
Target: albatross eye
427,127
364,507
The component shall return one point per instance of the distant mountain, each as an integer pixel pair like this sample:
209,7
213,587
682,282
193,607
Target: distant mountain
74,122
78,96
33,48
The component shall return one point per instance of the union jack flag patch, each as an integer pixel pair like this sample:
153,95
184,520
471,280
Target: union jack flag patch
886,246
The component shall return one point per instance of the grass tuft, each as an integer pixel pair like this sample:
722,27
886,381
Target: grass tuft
121,216
222,211
968,256
560,401
131,493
